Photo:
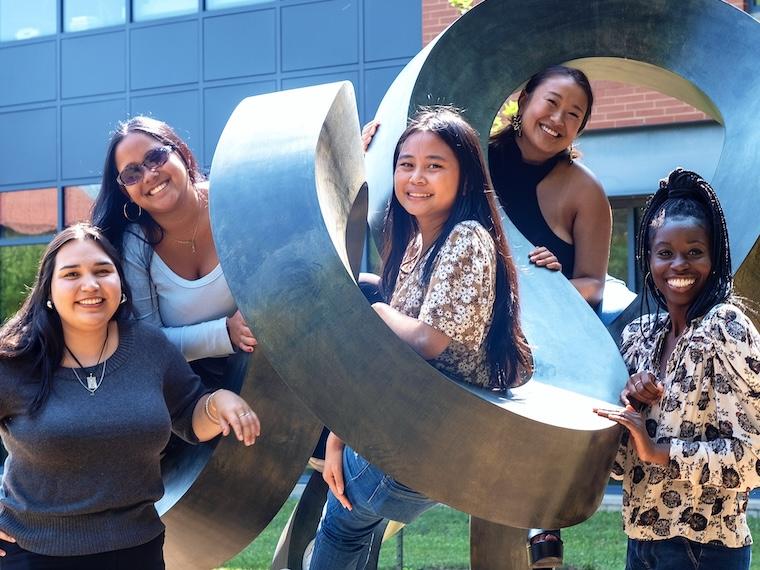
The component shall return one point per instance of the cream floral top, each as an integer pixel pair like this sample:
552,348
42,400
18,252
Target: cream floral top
458,300
710,414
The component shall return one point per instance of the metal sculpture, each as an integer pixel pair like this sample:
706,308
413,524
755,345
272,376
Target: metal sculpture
221,495
287,211
292,275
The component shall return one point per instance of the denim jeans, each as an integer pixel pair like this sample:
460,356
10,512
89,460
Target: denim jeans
680,553
344,537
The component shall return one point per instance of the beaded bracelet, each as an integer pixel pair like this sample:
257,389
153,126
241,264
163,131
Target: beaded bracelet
207,408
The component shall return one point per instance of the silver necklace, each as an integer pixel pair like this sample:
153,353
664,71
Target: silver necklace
92,382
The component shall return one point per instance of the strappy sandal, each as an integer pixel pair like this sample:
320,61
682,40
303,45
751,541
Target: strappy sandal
545,553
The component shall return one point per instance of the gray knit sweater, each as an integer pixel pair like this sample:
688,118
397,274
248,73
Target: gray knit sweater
83,473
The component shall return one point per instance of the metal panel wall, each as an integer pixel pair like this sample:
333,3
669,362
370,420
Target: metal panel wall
61,95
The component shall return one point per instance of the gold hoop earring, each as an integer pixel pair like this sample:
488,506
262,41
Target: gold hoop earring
126,213
517,124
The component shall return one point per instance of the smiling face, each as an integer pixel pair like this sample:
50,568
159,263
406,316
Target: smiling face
160,189
426,179
680,261
551,117
85,288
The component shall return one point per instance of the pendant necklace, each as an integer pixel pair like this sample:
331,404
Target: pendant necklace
191,241
92,382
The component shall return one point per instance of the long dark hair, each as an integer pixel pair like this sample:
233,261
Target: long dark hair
108,209
685,194
506,346
34,335
538,79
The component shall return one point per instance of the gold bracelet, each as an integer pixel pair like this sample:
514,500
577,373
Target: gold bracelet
207,409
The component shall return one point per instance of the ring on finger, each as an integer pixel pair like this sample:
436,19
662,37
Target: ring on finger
244,414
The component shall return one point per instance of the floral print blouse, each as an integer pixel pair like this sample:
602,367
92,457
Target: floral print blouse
710,415
458,301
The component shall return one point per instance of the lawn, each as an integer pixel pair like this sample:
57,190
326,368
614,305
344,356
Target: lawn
439,540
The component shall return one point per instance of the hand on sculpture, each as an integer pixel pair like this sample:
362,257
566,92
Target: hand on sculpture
7,538
368,132
542,257
641,388
235,414
333,472
241,336
634,422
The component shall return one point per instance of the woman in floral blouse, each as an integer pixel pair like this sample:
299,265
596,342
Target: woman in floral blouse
692,451
450,293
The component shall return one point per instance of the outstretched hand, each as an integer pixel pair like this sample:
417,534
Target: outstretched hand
634,422
241,336
333,471
542,257
234,414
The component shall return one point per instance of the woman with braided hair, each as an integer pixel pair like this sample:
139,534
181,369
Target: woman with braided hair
692,404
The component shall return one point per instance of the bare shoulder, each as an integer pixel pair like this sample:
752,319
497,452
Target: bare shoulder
584,182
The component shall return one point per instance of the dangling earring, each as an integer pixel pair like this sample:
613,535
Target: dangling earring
49,304
570,152
517,124
123,299
126,214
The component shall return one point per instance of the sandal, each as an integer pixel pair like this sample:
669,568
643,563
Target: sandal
545,553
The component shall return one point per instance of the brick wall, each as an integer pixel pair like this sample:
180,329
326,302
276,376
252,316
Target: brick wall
616,104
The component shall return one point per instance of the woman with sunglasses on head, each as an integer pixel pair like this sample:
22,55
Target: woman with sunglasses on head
89,399
153,206
691,453
450,293
555,202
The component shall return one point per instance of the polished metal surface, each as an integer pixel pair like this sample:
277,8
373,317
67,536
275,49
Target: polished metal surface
221,495
287,213
286,258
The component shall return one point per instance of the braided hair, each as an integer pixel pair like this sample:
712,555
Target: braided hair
685,194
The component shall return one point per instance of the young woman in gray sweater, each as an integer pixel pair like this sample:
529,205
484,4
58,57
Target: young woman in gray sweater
88,401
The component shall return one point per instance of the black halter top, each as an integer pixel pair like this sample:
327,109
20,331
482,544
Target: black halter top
515,182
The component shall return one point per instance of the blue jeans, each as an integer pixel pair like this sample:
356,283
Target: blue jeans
680,553
344,537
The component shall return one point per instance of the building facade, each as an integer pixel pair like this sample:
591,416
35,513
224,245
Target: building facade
70,70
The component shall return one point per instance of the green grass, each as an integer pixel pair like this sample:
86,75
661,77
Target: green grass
439,540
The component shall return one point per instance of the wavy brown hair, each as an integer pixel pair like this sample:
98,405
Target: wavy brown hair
508,351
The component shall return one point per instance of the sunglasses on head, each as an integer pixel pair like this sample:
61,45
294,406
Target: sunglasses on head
155,158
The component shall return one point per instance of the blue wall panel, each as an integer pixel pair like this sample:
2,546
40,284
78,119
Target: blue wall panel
27,73
218,104
28,146
58,105
392,29
239,44
181,110
93,65
376,83
166,54
306,81
85,131
320,34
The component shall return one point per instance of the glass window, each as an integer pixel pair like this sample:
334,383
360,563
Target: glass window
80,15
620,246
152,9
219,4
77,203
18,268
28,213
22,20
